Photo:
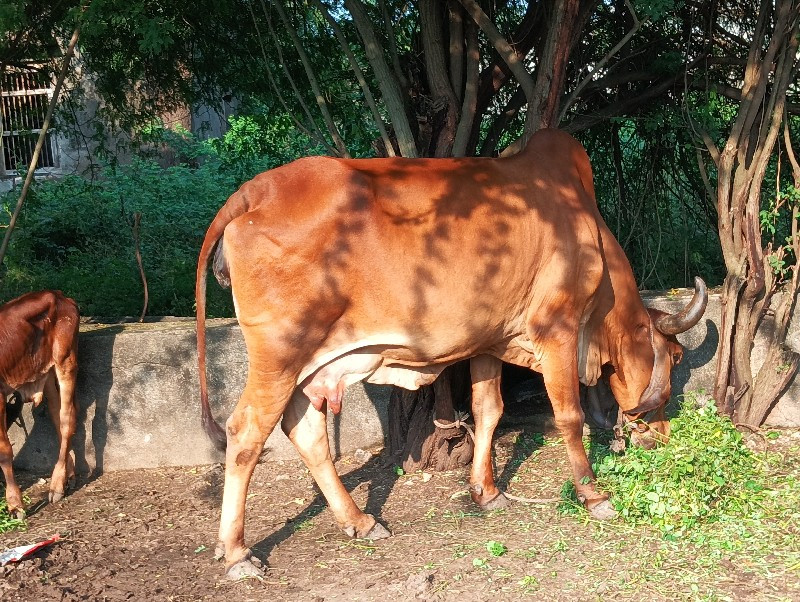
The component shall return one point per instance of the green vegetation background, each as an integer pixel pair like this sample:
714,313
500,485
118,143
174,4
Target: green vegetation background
75,233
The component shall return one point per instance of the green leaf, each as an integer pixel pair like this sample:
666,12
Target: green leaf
495,548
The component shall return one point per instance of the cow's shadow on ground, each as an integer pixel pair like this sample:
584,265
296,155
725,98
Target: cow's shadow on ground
375,473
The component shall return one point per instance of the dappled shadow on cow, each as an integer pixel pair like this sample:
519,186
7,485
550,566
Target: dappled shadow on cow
337,279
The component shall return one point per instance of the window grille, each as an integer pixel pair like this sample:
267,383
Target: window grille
25,94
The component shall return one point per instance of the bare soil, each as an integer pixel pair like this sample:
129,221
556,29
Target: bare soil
150,535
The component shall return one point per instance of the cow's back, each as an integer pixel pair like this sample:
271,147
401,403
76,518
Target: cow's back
445,255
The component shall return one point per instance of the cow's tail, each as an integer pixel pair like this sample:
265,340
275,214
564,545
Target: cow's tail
236,206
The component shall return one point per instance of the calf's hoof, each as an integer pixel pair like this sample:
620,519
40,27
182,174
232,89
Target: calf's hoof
56,496
246,568
18,514
603,510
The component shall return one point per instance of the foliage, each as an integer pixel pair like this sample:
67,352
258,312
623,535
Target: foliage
651,196
7,522
495,548
704,474
75,234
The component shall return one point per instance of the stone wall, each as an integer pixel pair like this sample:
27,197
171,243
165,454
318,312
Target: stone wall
139,402
139,407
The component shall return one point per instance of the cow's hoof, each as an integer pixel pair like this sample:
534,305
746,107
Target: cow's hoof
219,551
18,514
496,503
247,568
378,531
56,496
603,511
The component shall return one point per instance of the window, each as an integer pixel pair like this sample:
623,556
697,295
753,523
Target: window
25,94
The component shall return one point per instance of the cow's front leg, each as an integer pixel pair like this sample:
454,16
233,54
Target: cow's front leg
306,428
13,493
63,414
252,421
487,408
560,374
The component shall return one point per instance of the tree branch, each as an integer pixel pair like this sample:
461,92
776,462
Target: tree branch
368,97
312,80
316,134
503,48
601,63
390,88
319,135
470,102
40,142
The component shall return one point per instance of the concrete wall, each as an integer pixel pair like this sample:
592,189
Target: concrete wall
139,407
139,402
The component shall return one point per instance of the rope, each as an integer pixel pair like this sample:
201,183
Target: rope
457,423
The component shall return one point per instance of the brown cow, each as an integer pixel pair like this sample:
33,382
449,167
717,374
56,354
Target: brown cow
38,357
389,270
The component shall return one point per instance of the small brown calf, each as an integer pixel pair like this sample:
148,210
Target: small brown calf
38,358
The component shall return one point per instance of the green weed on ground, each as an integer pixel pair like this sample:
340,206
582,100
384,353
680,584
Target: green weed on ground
704,475
7,522
705,497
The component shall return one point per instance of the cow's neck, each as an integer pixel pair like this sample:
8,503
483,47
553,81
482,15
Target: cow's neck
628,310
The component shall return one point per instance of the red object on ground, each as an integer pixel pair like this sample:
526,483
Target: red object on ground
23,552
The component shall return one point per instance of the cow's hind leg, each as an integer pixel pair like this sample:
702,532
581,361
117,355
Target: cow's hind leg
254,418
63,414
13,493
306,428
487,408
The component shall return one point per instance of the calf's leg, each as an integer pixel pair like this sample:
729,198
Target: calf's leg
487,408
306,428
13,493
63,414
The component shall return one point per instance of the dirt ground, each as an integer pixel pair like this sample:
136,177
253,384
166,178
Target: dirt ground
150,535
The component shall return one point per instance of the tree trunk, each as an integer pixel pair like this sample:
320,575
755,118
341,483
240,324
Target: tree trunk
445,104
414,439
387,81
751,281
543,103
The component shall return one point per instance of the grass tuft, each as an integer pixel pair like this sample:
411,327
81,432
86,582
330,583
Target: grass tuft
7,522
704,474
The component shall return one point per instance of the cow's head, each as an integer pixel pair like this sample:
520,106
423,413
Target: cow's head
640,380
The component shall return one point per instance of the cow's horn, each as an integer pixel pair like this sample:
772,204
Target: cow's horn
690,315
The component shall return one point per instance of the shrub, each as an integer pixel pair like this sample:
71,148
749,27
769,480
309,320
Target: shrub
75,235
